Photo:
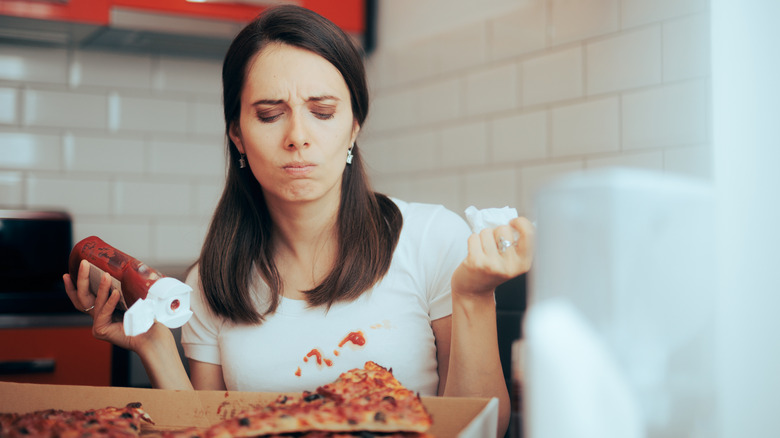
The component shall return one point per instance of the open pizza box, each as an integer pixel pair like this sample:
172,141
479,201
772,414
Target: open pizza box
452,417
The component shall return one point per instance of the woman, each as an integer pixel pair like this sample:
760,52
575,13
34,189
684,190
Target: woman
305,271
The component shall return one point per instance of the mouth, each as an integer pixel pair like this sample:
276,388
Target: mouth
298,168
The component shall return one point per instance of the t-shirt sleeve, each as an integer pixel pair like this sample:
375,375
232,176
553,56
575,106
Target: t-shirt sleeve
444,245
199,335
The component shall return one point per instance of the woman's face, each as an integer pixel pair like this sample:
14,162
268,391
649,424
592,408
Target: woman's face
296,124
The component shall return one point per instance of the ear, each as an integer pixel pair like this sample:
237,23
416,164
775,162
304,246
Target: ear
235,135
355,131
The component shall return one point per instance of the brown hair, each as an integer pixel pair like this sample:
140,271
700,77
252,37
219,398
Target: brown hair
239,237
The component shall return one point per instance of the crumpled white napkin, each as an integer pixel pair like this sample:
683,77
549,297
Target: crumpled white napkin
489,217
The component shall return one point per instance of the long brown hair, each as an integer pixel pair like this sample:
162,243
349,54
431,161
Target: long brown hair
239,237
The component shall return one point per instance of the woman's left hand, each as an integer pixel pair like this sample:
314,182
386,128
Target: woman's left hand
495,256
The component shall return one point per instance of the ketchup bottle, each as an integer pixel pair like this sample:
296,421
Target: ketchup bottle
146,295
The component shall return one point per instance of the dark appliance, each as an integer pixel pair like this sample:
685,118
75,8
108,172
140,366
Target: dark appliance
34,250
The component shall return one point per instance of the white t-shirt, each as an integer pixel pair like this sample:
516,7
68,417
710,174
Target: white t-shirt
299,348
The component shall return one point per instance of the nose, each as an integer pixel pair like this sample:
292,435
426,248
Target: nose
297,134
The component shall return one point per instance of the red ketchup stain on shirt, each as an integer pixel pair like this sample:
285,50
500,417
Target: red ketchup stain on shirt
316,353
335,352
298,372
356,338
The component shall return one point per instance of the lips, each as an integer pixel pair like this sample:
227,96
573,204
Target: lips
298,168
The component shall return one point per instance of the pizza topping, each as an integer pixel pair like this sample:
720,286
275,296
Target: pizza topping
312,397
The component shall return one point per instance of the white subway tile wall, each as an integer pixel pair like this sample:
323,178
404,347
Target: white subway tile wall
483,111
682,40
639,12
528,128
11,189
626,61
586,128
8,102
575,20
33,65
547,87
64,109
130,145
109,70
492,90
519,32
552,77
464,146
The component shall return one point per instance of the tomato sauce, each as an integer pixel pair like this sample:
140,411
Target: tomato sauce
356,338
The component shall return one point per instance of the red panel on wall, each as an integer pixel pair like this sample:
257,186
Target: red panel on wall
224,11
347,14
80,11
350,15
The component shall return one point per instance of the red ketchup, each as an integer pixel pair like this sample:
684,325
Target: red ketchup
146,295
133,276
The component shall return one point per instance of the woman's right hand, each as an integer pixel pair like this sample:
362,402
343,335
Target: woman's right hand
101,308
156,347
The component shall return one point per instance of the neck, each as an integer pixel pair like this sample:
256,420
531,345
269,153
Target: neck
304,229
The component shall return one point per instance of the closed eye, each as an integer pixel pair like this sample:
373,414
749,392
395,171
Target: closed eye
323,116
265,118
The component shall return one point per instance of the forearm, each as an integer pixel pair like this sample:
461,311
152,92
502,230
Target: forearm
474,365
162,362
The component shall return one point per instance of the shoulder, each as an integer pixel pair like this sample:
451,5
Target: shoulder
193,277
433,224
418,214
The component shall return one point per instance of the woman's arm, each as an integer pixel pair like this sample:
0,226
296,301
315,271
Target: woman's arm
206,375
468,342
156,348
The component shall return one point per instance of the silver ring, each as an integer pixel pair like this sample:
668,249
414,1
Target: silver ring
88,309
504,244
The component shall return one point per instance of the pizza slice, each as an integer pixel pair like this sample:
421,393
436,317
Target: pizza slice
104,422
367,400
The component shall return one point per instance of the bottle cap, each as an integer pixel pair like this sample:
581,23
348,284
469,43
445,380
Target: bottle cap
168,302
139,317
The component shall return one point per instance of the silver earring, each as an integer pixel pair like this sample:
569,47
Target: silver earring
242,161
349,154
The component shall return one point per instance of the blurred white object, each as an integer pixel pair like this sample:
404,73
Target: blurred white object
746,142
634,252
573,386
489,217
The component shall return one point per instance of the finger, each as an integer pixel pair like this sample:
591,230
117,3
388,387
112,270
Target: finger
475,246
488,241
84,296
527,233
103,288
505,237
71,290
105,305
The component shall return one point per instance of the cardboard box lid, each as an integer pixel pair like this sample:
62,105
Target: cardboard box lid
452,416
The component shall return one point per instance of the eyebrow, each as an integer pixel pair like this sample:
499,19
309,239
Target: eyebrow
310,99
